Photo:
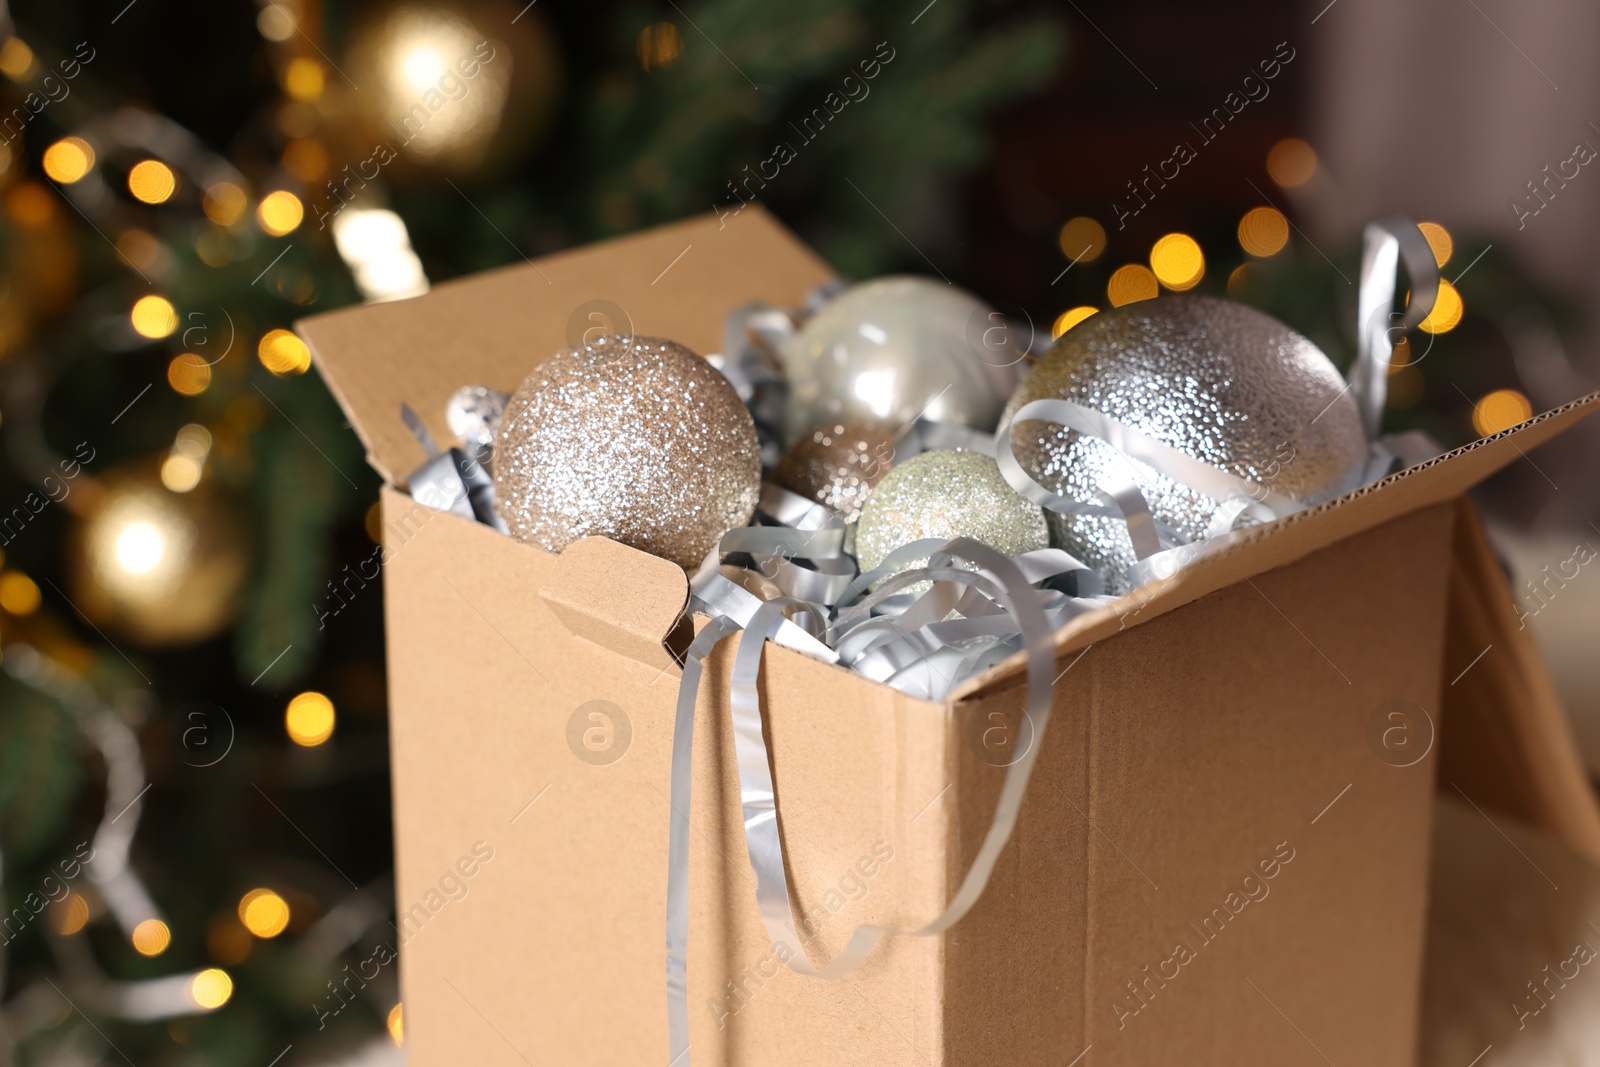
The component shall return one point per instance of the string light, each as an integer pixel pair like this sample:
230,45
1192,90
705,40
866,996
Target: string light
211,988
1263,231
224,203
377,248
284,354
152,181
1070,318
279,212
188,374
264,913
19,595
1131,283
1291,162
153,317
397,1026
1239,279
1082,239
1439,240
1177,261
151,937
276,23
68,160
309,719
1447,311
1500,410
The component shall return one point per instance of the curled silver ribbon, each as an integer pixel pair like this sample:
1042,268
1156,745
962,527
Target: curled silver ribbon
1384,244
1001,579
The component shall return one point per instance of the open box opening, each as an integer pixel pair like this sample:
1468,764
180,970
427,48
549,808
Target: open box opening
1222,853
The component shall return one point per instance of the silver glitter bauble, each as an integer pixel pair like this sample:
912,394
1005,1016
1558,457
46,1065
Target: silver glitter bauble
473,414
1219,381
946,494
837,466
888,350
635,439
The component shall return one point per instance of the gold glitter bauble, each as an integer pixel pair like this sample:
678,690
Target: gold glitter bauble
636,439
1219,381
837,466
947,494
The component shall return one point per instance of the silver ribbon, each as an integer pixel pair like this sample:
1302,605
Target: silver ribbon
1383,245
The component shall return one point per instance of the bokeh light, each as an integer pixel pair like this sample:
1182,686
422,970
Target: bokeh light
279,212
16,59
1177,261
188,374
224,203
153,317
152,181
303,79
1500,410
264,913
284,354
1131,282
151,937
658,45
1263,231
68,160
211,988
1239,279
19,594
309,719
180,473
397,1025
1291,162
1082,239
1070,318
1447,311
70,914
276,22
1439,240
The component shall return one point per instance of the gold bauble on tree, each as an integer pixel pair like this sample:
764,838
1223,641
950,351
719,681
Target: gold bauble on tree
158,566
458,87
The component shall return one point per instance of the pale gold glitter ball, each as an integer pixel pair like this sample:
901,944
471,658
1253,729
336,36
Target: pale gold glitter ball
946,494
837,466
635,439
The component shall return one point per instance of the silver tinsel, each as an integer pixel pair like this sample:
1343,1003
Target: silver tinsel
473,414
635,439
1219,381
946,494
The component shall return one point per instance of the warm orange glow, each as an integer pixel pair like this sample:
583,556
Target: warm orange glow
1500,410
1070,318
151,937
1263,231
19,594
397,1027
224,203
188,374
264,913
1439,240
1082,239
309,719
1291,162
1130,283
1447,311
68,160
303,79
658,45
1177,261
279,212
284,354
152,181
211,988
153,317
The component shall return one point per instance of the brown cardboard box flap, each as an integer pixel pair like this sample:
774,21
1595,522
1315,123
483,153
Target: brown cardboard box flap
1275,544
675,281
583,594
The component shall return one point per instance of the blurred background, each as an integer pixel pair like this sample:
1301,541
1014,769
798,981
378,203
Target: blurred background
191,652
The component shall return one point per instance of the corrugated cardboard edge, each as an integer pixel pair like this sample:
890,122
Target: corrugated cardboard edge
1504,740
583,594
1263,548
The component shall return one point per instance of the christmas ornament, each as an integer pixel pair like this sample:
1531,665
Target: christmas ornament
837,466
636,439
946,494
889,350
161,567
1218,381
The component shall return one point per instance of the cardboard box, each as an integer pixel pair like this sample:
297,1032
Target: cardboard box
1222,857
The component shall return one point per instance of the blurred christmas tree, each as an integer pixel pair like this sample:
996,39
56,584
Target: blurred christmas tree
193,776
